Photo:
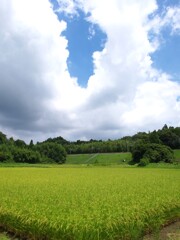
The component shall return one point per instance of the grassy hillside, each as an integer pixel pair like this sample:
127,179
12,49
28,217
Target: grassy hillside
106,158
177,155
99,158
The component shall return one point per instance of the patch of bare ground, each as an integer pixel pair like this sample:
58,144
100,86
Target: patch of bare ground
169,232
6,236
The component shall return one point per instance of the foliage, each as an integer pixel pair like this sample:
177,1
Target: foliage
20,143
52,151
5,153
153,152
3,138
143,162
5,156
168,136
25,156
85,203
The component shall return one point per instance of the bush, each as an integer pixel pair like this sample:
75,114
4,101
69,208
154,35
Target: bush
143,162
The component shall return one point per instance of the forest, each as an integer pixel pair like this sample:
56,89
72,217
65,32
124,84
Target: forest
145,147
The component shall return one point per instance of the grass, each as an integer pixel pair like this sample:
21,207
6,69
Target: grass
99,158
3,236
115,159
177,155
99,203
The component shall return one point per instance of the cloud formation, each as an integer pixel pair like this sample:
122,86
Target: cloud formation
38,98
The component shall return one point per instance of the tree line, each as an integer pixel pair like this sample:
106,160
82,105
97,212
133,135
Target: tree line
168,136
18,151
54,150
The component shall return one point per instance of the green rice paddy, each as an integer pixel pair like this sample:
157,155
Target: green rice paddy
96,203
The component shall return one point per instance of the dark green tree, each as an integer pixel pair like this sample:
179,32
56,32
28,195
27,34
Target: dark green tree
54,151
3,138
153,152
22,155
20,143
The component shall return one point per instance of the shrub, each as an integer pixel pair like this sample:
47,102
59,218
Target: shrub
143,162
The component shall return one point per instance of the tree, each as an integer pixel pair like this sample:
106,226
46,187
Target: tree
31,144
21,155
154,137
5,153
5,157
138,152
153,152
20,143
54,151
3,138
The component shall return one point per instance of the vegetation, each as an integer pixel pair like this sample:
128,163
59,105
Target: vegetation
60,202
155,146
99,159
53,152
87,203
168,136
152,152
20,152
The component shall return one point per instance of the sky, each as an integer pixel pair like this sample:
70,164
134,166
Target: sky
88,69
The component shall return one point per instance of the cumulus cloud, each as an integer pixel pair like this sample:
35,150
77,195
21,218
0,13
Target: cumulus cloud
38,98
34,81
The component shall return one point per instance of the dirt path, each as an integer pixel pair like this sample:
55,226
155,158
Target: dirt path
170,232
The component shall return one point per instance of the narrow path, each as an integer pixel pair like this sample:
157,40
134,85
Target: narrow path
93,156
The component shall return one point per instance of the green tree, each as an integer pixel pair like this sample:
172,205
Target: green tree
19,143
3,138
154,137
5,153
22,155
153,152
54,151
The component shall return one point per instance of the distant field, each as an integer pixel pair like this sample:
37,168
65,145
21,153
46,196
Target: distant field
101,158
177,154
109,159
99,203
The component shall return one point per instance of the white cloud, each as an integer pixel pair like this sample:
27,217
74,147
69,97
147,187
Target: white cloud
92,32
34,82
152,103
38,98
172,17
69,7
169,18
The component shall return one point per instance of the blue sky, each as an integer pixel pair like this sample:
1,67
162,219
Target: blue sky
84,38
81,44
167,57
88,69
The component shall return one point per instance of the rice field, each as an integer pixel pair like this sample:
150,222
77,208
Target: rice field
88,203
